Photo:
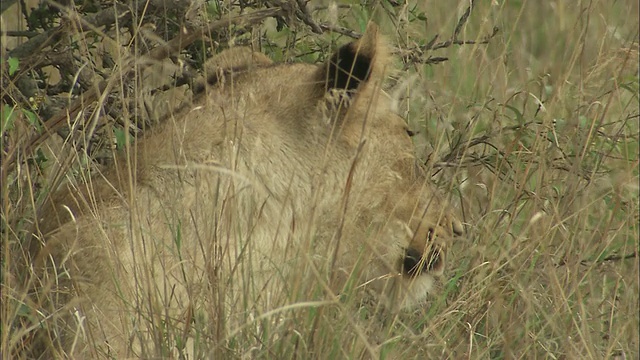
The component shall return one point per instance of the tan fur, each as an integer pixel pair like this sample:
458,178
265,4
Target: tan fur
268,184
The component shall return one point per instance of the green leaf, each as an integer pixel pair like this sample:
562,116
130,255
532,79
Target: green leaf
583,121
362,18
32,118
120,138
40,157
632,87
6,118
519,115
13,65
213,9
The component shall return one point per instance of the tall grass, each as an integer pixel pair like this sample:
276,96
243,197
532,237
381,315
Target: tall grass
551,191
534,135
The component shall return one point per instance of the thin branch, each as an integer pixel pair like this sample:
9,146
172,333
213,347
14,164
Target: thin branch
632,255
326,7
435,60
38,42
102,18
448,43
305,16
340,30
416,55
16,33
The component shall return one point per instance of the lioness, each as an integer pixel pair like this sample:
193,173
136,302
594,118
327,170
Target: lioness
278,179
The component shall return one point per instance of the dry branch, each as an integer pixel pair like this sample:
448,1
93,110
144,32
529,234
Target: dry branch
416,55
178,43
102,18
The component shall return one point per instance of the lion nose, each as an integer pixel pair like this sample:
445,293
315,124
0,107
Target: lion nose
414,264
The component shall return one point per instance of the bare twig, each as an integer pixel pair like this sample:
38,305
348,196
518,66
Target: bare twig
326,7
435,59
16,33
38,42
305,16
416,55
614,258
102,18
632,255
452,41
340,30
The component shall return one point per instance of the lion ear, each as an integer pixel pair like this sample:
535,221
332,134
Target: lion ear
357,62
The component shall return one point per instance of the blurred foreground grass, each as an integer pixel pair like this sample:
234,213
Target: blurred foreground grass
535,135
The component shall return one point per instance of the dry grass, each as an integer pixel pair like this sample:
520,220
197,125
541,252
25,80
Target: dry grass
535,135
554,101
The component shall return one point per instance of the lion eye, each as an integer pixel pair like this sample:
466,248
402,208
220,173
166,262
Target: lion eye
411,133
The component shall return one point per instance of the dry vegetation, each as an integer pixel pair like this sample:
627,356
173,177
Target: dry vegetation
533,129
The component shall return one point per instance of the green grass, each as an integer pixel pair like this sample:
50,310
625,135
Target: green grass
534,135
